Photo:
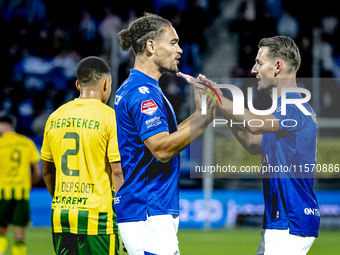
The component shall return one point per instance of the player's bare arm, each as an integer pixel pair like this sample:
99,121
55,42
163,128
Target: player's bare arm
184,123
36,173
117,175
49,171
249,137
165,146
252,143
271,123
187,120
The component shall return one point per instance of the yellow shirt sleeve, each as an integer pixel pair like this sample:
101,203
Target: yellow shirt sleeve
46,153
112,148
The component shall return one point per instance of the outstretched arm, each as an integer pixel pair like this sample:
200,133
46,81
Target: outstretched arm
165,146
249,137
252,143
270,122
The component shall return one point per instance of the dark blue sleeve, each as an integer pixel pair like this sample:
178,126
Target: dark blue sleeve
147,112
293,120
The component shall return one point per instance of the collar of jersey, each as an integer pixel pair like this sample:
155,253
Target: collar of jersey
87,99
8,133
135,72
290,95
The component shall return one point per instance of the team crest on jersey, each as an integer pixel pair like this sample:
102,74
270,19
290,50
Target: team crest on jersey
143,90
149,107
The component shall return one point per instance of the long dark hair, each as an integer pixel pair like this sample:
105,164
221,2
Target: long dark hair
149,26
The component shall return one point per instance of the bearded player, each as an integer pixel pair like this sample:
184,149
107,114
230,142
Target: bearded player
150,141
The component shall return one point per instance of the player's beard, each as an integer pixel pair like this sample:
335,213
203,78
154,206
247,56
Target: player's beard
172,69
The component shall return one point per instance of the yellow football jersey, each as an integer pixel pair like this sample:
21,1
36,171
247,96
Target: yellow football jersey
81,138
17,154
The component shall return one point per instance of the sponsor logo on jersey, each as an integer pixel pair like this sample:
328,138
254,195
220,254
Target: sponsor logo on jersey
70,200
117,200
153,122
312,211
149,107
143,90
117,99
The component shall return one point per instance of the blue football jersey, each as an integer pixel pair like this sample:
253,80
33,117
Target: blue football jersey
289,158
150,186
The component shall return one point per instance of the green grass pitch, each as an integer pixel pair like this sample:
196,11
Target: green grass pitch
216,242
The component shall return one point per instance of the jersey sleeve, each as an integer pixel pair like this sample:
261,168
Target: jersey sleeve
112,147
147,113
46,153
292,121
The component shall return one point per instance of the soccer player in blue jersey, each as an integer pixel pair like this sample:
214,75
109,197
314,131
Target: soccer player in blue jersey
292,216
149,140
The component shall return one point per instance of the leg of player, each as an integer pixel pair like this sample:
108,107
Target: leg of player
19,247
20,220
3,240
156,235
280,242
4,219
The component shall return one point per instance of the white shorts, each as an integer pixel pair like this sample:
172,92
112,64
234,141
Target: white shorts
280,242
157,235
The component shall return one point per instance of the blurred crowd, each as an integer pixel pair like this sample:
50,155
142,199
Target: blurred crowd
44,40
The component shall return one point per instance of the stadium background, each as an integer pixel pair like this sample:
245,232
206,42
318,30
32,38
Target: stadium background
42,42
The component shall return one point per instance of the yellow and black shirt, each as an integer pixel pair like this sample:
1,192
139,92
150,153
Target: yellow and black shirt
17,154
81,139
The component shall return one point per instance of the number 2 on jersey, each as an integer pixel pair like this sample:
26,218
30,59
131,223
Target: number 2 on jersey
70,152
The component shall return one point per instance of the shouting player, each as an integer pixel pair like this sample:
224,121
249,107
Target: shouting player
288,227
149,140
80,140
17,155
